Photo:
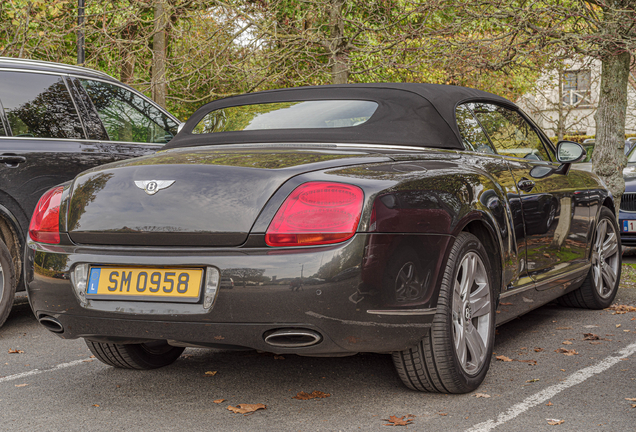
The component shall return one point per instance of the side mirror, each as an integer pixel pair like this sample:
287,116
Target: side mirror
570,152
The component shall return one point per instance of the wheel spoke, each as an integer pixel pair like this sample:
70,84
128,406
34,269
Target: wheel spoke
600,234
596,271
609,276
457,300
460,342
468,277
610,247
475,344
480,306
594,257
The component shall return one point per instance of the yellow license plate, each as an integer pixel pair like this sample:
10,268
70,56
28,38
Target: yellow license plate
146,284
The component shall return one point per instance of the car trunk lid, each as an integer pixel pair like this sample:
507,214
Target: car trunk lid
189,197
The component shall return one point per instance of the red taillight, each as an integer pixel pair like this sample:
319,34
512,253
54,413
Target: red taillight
317,213
45,223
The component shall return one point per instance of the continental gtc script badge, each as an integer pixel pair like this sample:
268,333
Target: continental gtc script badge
151,187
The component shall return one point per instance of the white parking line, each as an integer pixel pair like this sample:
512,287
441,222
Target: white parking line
547,394
38,371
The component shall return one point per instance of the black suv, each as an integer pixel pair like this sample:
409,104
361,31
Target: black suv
56,121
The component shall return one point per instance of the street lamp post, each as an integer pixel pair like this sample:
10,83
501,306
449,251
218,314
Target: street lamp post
80,32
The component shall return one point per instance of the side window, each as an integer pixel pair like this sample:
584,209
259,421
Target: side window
473,136
39,105
509,132
93,125
127,116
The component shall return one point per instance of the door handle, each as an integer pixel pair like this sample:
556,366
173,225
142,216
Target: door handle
12,159
525,185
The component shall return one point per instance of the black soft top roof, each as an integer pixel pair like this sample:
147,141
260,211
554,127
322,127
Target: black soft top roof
408,114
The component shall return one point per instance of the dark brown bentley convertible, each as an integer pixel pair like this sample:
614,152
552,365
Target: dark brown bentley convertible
389,218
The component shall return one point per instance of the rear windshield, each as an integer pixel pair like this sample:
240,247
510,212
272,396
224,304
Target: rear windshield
287,115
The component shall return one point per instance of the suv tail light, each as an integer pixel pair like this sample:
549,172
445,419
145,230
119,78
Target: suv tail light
45,223
317,213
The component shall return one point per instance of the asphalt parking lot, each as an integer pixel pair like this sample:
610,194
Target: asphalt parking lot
53,384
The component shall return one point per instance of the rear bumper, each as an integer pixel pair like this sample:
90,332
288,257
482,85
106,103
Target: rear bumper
343,295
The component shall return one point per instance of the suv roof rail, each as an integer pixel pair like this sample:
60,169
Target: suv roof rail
54,65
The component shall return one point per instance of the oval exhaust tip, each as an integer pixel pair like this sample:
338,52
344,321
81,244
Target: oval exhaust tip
292,338
51,324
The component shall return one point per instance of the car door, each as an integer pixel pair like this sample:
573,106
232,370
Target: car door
554,209
512,232
44,142
133,125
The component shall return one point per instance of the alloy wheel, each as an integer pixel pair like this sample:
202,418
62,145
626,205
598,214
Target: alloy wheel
472,313
605,258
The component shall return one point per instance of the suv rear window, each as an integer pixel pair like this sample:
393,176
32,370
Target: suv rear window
287,115
39,106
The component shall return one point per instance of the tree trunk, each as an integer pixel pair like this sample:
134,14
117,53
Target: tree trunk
609,159
128,58
339,58
127,67
158,80
560,121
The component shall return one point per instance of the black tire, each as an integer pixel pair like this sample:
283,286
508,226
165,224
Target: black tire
590,295
7,283
434,365
150,355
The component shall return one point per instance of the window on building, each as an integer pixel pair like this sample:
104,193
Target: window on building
576,88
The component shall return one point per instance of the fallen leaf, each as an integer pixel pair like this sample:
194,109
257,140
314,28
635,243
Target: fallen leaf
631,399
549,404
564,328
554,422
397,421
92,356
566,351
532,380
622,308
218,401
481,395
279,357
21,385
538,349
246,408
566,343
219,337
503,358
96,405
505,304
596,342
211,373
562,370
618,325
546,255
443,414
530,362
16,351
633,405
590,336
313,395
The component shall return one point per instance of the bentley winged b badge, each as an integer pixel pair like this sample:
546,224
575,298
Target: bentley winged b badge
151,187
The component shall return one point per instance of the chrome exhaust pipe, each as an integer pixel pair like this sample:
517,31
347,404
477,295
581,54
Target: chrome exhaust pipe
292,338
51,324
